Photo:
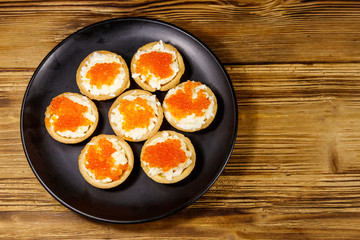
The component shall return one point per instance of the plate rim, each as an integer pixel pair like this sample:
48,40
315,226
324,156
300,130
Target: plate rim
140,19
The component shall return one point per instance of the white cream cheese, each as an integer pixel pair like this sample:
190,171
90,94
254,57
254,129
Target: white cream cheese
105,89
154,81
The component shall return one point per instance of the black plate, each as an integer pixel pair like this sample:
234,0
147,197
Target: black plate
139,198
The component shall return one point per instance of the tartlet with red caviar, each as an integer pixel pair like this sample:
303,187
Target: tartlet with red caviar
190,106
157,66
102,75
136,115
168,157
71,118
106,161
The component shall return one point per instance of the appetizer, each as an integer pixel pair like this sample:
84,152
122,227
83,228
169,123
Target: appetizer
157,66
106,161
102,75
71,118
136,115
190,106
168,157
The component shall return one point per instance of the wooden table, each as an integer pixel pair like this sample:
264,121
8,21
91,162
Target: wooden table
295,169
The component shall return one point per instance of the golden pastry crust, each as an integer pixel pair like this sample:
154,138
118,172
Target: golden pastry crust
159,177
114,106
103,96
72,140
105,185
207,122
173,82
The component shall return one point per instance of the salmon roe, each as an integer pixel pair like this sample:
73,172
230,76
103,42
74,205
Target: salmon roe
137,113
181,104
103,73
70,114
157,63
165,155
100,162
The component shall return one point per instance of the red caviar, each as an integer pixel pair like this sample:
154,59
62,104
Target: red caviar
181,104
100,162
137,113
70,114
157,63
165,155
103,73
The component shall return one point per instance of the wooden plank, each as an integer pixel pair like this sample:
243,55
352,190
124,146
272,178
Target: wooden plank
237,31
298,118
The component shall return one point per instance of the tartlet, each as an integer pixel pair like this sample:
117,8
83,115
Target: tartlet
136,115
106,161
157,66
168,157
190,106
71,118
102,75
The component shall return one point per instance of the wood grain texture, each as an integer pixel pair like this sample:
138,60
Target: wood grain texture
295,169
237,31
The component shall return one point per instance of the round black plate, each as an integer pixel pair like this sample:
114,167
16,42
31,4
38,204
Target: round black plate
139,198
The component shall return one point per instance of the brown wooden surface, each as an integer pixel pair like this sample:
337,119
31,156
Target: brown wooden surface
295,169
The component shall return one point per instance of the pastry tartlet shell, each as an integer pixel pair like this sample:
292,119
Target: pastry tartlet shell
128,153
159,120
207,121
125,84
172,83
67,140
160,179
